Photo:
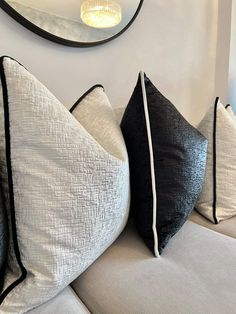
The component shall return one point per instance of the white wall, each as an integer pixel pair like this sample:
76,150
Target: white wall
174,41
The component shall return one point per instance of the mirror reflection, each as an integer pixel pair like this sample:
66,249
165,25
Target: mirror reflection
85,21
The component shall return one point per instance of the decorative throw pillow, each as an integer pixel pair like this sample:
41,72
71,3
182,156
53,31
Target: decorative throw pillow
217,201
68,186
167,163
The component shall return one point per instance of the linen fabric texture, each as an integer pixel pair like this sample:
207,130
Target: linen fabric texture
68,190
167,164
217,201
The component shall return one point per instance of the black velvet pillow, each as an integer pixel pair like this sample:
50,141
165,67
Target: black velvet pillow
167,164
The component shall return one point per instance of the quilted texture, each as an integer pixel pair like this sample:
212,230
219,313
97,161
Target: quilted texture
167,163
69,196
3,218
217,201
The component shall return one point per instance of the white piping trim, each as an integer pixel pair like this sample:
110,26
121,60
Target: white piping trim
153,179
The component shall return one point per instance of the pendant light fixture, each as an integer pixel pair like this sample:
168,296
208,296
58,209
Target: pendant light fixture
101,13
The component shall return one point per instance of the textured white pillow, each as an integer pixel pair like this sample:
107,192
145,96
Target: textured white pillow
68,186
218,198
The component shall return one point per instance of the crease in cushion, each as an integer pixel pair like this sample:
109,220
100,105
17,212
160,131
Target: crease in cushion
167,164
217,201
69,195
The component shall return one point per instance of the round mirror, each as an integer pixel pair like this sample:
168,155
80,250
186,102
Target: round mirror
76,23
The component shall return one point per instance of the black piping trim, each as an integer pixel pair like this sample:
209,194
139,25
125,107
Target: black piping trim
227,106
214,161
10,184
41,32
8,57
84,95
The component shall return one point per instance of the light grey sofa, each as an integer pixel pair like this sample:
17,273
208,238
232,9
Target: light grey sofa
196,274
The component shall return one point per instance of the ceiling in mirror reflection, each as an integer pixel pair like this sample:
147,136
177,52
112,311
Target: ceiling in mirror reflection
62,18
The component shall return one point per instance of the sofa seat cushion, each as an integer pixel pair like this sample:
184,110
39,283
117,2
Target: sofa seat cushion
227,227
196,274
65,302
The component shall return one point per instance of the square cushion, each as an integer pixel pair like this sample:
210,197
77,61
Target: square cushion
218,197
68,191
167,163
196,274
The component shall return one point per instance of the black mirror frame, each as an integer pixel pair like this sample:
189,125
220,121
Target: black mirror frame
39,31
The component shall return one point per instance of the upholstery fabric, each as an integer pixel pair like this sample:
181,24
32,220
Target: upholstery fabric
69,191
3,219
227,227
217,201
193,275
66,302
167,163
